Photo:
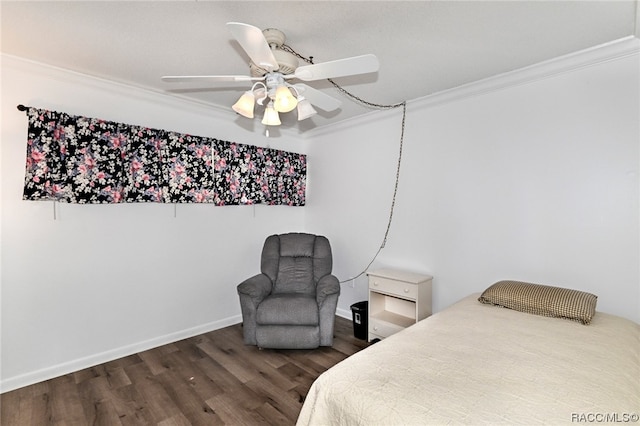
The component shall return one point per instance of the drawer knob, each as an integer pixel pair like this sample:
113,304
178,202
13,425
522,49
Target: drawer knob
406,290
375,328
375,283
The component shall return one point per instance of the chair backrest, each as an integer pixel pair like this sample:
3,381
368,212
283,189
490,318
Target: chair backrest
296,261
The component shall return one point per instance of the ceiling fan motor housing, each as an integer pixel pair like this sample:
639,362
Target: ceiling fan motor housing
274,37
287,62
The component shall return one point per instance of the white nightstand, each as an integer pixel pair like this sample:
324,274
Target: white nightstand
397,299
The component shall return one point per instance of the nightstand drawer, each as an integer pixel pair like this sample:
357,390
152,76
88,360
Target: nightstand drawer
382,328
402,289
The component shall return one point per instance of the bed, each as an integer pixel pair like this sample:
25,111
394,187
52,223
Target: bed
482,363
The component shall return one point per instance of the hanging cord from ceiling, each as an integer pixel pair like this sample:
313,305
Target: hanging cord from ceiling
361,101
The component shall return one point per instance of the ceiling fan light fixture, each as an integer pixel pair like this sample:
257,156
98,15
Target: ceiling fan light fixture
271,117
244,105
305,110
284,100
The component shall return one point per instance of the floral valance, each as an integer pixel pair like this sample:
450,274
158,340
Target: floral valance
78,159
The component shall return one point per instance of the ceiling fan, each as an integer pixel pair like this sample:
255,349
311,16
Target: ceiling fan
271,69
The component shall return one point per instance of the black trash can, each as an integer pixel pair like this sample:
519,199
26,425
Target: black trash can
360,320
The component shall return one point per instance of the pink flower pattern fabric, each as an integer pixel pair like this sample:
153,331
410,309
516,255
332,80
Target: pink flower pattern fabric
251,175
77,159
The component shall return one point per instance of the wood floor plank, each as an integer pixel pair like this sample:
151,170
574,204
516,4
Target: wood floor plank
40,411
179,420
150,394
95,392
123,362
281,401
88,373
226,406
189,348
245,398
188,372
153,358
308,365
117,377
16,408
210,379
105,414
131,406
190,404
218,374
66,405
226,357
296,374
265,371
272,415
299,393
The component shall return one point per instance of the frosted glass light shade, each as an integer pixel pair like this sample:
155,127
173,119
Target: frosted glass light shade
284,100
271,117
305,110
245,104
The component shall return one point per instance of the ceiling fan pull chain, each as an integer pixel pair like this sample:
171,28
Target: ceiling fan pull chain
402,104
393,199
289,49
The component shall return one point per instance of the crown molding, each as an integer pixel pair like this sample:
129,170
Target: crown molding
125,89
132,91
581,59
611,51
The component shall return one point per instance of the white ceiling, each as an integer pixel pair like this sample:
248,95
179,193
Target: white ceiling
424,47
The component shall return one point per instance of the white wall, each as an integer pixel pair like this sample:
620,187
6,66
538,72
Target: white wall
102,281
529,176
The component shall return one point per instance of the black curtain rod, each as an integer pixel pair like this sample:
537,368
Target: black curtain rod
22,107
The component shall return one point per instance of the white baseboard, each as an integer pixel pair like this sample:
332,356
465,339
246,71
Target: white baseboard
30,378
344,313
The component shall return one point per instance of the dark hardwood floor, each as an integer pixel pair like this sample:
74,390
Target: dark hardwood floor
211,379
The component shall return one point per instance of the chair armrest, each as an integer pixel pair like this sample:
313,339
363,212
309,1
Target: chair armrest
327,286
256,287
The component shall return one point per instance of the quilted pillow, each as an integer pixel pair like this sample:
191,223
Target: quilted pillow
542,300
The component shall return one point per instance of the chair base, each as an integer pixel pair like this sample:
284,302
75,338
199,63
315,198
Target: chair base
287,336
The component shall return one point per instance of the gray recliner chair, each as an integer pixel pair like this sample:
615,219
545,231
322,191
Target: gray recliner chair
292,303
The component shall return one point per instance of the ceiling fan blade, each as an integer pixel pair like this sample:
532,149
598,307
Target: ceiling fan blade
318,98
207,78
339,68
253,42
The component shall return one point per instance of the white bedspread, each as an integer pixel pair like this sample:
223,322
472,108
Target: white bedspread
480,364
